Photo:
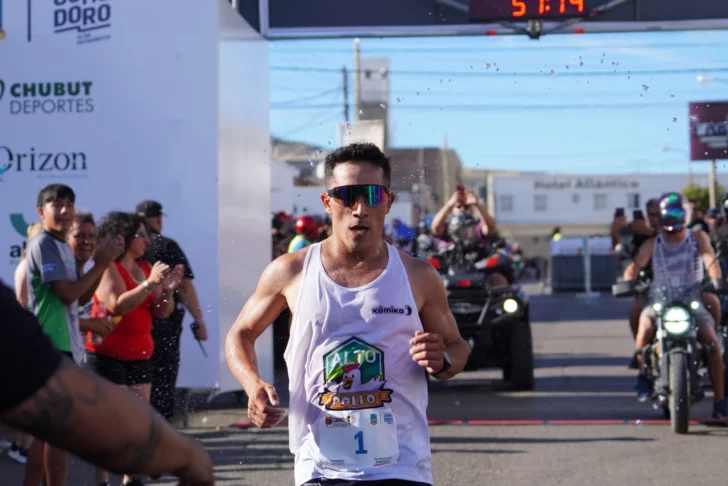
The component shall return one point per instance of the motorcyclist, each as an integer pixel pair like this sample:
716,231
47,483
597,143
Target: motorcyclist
676,253
306,233
641,230
464,201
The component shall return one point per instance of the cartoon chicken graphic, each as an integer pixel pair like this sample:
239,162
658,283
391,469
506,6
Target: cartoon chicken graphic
351,382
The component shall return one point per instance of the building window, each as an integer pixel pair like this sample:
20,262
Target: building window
505,201
633,200
539,202
576,198
600,202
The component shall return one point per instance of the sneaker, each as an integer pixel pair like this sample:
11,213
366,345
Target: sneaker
720,410
644,388
18,454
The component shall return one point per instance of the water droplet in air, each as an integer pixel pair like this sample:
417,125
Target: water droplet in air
418,93
428,90
567,66
382,105
581,63
638,423
541,72
674,119
361,112
645,87
553,73
398,100
655,406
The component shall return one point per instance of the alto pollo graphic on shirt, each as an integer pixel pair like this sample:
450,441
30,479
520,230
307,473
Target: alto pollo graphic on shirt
354,377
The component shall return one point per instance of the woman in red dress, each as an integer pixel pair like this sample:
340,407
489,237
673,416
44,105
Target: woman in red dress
132,291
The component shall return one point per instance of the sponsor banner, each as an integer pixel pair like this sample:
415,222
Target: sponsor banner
44,98
708,131
104,107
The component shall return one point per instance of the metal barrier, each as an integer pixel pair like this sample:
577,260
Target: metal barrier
584,273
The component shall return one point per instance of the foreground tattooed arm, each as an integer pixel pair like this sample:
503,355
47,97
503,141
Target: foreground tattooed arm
108,427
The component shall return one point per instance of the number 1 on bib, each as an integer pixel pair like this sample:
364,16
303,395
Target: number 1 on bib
359,436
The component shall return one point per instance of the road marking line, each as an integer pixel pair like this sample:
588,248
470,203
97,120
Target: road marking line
433,422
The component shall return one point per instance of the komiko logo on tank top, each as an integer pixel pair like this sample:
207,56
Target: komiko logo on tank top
354,377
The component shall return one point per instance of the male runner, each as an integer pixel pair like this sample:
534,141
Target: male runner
367,321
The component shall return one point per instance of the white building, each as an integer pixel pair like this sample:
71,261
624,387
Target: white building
527,206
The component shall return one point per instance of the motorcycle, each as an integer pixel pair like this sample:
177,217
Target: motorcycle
674,360
494,321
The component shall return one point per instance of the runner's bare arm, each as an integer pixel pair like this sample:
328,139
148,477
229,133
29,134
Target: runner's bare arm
435,314
258,313
640,261
74,405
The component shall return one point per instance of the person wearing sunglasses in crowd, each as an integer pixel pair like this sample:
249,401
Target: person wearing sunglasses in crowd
680,257
367,320
464,201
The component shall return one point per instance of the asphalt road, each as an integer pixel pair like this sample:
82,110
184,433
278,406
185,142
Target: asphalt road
581,426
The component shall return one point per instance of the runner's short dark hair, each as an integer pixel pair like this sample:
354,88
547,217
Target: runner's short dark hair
359,152
53,193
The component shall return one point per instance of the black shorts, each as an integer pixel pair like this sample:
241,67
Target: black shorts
120,371
346,482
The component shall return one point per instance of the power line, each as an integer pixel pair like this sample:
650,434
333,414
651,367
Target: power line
310,97
320,118
508,73
507,107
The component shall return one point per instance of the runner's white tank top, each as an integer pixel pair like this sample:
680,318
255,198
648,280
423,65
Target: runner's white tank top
358,401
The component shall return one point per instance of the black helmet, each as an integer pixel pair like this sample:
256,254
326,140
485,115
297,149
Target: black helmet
462,228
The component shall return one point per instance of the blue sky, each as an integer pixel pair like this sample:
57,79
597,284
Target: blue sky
586,119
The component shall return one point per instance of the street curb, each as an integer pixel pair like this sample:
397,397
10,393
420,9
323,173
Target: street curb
434,422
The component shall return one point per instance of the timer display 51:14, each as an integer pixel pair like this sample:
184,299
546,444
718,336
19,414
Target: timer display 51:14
493,10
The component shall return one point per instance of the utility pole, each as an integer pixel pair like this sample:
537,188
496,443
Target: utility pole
445,163
712,184
357,81
345,76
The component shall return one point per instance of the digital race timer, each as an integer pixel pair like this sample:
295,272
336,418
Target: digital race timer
515,10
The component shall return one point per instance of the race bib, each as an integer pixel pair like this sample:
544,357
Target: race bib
356,439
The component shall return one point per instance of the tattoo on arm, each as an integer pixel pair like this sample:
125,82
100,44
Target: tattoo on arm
142,456
51,410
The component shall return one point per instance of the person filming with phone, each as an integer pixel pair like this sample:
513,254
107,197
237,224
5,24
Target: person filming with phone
464,202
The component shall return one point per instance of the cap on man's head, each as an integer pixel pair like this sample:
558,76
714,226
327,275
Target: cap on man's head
149,209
